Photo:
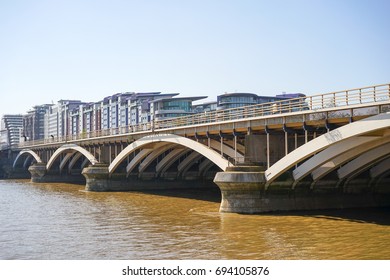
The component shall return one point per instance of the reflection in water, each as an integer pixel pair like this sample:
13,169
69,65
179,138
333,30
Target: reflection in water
61,221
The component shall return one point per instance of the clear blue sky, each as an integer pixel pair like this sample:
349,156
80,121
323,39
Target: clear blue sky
89,49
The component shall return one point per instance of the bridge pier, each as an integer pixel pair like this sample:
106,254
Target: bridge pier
243,191
38,172
96,177
98,180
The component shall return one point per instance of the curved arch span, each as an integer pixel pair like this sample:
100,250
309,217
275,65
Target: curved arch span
29,152
71,147
170,138
362,127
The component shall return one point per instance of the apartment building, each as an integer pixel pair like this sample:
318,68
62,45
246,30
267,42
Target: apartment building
11,130
58,121
34,122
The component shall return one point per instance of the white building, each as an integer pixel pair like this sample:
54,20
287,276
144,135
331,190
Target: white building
57,119
11,130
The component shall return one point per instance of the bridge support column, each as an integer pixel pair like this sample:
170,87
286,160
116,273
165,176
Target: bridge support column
97,178
241,189
38,172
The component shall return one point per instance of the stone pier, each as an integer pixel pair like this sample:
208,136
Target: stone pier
96,178
243,191
38,172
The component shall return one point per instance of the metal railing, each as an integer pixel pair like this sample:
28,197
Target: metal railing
329,101
317,102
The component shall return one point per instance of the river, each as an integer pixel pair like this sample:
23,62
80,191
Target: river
61,221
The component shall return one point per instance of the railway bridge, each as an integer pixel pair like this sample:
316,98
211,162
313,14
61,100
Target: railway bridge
324,151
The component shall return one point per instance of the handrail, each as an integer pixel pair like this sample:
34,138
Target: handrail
338,99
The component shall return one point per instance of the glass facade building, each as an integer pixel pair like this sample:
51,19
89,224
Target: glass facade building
235,100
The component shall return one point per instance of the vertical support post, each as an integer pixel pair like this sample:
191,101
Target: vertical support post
109,152
268,158
208,139
268,146
286,130
305,128
220,134
285,142
235,146
296,140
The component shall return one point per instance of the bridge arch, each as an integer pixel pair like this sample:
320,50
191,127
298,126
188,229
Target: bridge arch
27,152
366,126
209,153
71,148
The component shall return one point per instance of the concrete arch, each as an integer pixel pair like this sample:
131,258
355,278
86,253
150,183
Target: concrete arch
170,159
73,161
348,155
66,159
27,161
70,148
365,126
363,162
204,167
328,154
29,153
186,164
140,157
170,138
380,168
152,156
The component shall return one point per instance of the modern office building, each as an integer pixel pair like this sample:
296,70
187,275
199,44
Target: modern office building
235,100
166,108
11,130
140,105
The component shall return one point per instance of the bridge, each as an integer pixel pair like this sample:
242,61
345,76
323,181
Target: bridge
325,151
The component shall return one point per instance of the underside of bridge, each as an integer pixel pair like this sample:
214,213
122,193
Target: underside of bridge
154,162
345,167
